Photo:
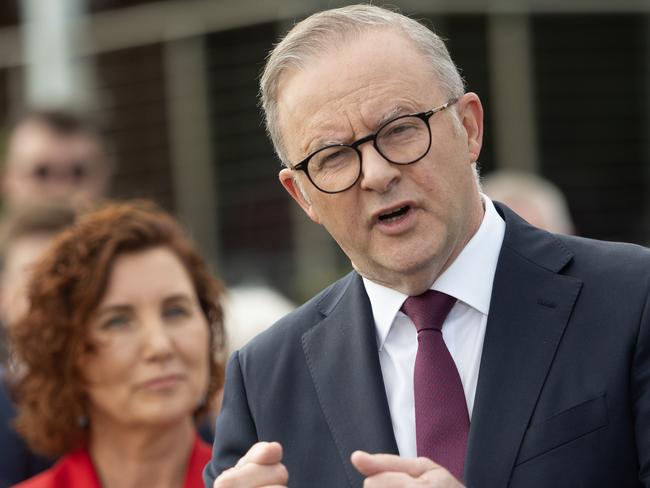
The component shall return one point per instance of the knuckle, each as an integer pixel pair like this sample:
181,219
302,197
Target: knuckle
282,473
423,481
227,479
234,476
440,477
425,463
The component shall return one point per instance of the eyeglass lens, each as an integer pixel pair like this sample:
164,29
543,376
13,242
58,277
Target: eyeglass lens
402,141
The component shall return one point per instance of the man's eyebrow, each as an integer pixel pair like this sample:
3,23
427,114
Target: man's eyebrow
396,111
319,143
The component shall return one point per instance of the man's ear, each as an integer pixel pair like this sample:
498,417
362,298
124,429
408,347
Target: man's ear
471,117
287,178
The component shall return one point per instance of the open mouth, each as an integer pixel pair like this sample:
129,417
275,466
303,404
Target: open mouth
394,214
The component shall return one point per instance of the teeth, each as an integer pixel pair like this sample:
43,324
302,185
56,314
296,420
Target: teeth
391,219
391,212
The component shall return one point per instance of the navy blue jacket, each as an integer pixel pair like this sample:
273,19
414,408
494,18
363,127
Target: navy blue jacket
563,395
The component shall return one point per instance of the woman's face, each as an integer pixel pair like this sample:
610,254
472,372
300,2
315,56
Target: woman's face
150,358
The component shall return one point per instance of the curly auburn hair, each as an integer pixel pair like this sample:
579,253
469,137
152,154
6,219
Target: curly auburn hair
67,285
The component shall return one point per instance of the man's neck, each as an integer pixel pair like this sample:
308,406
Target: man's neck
420,280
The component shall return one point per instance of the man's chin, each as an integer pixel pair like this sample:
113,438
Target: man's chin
403,273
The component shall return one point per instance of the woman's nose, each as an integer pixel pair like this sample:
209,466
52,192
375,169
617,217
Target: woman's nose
157,339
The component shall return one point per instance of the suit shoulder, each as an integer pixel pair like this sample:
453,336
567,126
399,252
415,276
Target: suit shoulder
619,267
606,254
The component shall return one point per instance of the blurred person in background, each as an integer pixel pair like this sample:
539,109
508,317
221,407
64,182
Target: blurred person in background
249,309
120,350
535,199
243,321
23,239
24,235
54,156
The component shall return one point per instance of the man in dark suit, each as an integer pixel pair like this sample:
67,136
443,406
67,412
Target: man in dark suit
468,347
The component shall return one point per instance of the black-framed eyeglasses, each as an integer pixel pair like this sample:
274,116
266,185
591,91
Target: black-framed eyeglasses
403,140
76,170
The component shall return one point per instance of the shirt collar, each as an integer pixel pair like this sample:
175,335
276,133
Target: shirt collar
469,278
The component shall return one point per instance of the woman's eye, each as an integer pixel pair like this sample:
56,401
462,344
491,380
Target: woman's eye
176,311
116,322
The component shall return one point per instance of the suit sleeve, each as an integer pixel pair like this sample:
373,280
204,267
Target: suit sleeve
235,430
641,395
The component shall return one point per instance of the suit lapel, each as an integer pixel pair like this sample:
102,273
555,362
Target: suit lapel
341,352
530,307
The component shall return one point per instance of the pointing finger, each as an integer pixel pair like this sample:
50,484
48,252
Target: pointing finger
371,464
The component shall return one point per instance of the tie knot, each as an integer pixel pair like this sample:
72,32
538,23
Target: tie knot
428,310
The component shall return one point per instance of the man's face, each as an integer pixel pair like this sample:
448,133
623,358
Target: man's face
346,94
43,167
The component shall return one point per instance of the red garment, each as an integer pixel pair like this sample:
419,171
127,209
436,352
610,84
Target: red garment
76,469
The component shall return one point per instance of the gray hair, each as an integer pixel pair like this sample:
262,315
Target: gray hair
311,37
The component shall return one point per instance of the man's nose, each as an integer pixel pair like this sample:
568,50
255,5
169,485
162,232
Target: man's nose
377,173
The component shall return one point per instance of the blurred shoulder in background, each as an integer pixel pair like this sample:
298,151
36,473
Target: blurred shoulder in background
24,236
536,199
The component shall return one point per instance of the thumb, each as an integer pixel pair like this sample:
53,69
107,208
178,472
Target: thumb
265,453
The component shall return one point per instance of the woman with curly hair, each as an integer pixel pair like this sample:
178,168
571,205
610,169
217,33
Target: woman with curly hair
119,352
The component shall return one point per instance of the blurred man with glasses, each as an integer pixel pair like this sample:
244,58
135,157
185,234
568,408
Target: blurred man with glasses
467,347
54,156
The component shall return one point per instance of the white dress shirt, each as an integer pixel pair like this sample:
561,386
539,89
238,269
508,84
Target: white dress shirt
469,279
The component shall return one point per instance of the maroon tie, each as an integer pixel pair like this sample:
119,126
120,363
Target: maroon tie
441,418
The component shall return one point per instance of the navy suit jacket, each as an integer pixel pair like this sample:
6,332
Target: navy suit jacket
563,395
17,462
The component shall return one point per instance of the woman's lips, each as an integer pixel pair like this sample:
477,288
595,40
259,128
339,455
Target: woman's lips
161,382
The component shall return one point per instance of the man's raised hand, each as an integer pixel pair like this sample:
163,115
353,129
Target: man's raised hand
260,467
388,471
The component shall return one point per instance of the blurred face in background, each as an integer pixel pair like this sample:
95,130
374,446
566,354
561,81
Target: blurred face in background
149,358
46,166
